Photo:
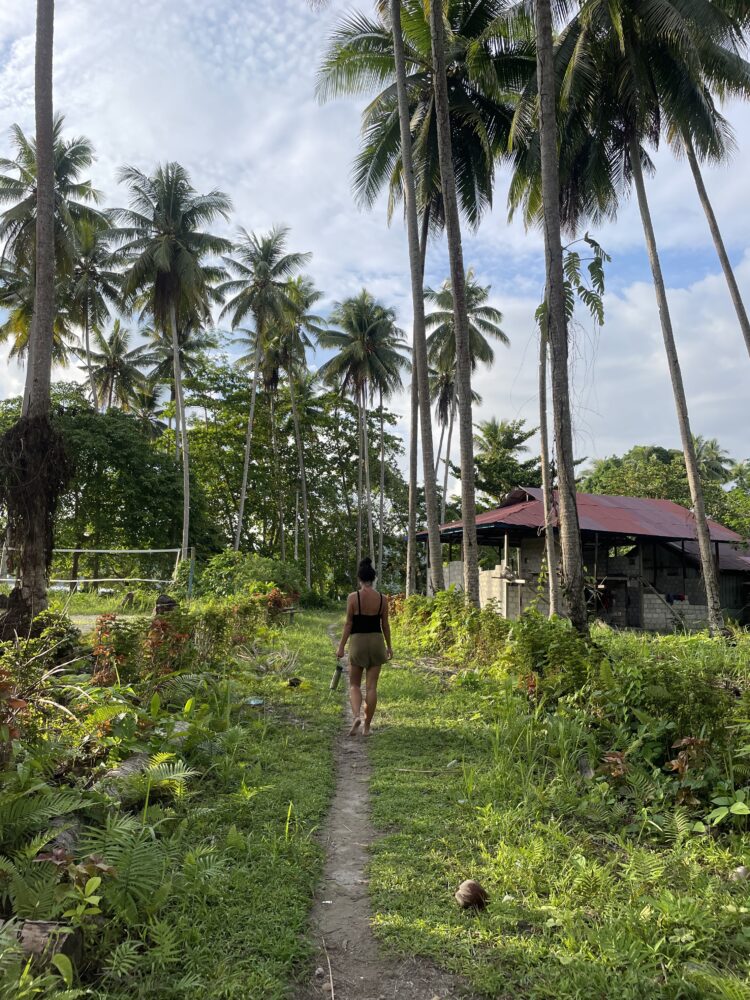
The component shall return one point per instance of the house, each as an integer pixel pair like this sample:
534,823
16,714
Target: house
640,556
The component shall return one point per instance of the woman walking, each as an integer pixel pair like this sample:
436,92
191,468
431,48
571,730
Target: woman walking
370,645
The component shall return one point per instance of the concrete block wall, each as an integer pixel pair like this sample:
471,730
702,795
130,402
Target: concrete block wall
657,617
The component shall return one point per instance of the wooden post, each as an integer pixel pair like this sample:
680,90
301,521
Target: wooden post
684,575
596,558
505,575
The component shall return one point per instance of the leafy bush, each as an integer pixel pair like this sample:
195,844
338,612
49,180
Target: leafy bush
231,573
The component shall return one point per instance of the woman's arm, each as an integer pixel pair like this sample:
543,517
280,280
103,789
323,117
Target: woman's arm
387,629
347,626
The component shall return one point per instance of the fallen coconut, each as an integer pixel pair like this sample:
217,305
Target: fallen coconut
471,896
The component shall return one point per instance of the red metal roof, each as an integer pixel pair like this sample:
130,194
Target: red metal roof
607,514
731,559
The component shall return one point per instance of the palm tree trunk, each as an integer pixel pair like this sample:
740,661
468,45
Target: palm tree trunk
180,401
419,335
570,535
89,369
381,513
447,462
440,449
176,427
279,499
460,316
368,487
30,534
248,439
734,291
302,481
547,494
296,526
360,476
411,529
708,566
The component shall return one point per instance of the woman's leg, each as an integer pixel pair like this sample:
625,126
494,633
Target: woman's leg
371,695
355,696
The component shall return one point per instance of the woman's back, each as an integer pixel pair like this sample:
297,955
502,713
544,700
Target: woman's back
366,608
367,601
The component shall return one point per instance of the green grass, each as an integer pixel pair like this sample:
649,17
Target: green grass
470,782
260,809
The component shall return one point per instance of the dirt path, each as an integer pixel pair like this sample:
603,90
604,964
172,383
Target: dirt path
341,914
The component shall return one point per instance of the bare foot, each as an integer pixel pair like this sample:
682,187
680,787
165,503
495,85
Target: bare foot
355,726
366,730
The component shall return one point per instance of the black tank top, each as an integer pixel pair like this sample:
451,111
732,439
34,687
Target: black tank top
366,623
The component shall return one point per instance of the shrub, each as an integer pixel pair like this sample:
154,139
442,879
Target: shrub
231,573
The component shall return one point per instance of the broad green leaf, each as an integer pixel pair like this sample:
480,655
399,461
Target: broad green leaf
65,967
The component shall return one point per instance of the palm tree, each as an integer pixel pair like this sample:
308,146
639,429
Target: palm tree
369,355
269,375
167,254
714,461
460,314
115,368
95,281
400,152
193,341
294,335
73,198
17,298
259,269
484,321
32,448
444,394
649,75
145,406
557,327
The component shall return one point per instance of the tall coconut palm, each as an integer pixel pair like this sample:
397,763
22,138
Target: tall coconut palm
74,199
484,322
167,254
260,269
400,151
714,461
297,331
557,327
648,71
269,376
387,381
444,394
145,406
193,341
31,452
95,281
369,353
460,314
116,368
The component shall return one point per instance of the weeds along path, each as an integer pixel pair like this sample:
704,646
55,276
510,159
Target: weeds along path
350,964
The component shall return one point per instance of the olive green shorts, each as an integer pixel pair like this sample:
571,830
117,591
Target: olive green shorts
367,649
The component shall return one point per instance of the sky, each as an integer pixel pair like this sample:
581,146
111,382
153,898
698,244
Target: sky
227,89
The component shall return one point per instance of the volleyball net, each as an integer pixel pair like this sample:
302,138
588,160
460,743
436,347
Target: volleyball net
103,570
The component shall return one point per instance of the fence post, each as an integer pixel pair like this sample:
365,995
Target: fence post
191,573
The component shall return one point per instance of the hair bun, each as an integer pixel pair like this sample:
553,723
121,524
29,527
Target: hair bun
367,561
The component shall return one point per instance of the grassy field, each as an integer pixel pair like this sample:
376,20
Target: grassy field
207,892
472,782
262,809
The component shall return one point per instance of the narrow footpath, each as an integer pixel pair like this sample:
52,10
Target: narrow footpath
349,964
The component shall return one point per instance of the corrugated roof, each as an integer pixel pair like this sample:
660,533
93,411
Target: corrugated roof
731,559
607,514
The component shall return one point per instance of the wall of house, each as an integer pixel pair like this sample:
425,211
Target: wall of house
626,601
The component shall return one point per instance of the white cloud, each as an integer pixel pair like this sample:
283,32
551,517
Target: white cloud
227,89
